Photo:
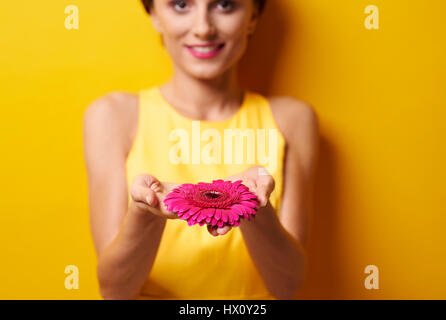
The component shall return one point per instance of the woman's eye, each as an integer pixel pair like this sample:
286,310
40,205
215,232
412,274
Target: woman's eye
226,5
178,4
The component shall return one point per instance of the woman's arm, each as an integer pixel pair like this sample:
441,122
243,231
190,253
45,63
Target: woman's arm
277,246
126,237
278,256
123,266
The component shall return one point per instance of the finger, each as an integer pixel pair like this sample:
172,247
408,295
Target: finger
224,230
144,180
212,230
156,186
168,214
141,193
151,198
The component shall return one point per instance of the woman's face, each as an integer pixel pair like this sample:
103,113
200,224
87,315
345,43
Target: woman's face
186,24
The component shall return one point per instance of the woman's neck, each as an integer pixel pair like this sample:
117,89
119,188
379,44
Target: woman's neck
210,100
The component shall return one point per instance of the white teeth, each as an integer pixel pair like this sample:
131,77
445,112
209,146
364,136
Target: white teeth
205,49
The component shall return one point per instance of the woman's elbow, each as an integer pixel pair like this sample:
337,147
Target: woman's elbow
116,294
110,291
291,285
113,289
289,292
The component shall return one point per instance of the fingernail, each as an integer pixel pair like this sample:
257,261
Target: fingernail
148,200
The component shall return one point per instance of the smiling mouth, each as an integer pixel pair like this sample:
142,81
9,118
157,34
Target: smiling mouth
206,49
206,52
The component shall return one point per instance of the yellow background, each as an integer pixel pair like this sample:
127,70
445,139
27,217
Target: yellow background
380,99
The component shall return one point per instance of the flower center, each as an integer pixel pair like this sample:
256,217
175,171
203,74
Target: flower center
211,194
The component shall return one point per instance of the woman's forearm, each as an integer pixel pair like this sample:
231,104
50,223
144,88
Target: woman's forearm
279,257
126,263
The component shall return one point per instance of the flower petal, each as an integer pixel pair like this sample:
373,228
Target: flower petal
234,216
250,204
236,209
237,183
196,215
185,208
224,216
240,207
218,213
230,216
193,210
191,222
211,212
248,195
203,215
175,202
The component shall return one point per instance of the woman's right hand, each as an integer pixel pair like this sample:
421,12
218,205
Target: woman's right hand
148,194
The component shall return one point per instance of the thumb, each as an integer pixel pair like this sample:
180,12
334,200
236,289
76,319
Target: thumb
265,186
151,198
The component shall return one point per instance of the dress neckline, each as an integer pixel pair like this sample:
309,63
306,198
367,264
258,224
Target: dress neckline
184,118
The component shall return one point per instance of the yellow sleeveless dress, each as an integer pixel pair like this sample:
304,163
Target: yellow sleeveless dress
191,263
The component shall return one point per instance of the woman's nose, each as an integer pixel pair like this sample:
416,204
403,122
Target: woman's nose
203,26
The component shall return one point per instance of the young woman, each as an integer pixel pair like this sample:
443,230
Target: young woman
138,147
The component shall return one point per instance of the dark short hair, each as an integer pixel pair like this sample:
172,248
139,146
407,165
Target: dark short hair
259,3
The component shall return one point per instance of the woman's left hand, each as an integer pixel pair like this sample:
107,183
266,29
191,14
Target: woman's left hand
259,181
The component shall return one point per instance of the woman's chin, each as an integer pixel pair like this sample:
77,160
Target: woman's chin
207,73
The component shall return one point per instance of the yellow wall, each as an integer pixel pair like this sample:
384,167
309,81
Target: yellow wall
377,93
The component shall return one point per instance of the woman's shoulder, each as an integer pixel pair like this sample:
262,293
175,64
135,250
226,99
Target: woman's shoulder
294,117
113,115
113,101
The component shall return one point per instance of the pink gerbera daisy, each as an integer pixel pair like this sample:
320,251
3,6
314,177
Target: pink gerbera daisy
218,203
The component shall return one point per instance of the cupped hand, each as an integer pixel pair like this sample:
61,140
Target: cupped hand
259,182
148,193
